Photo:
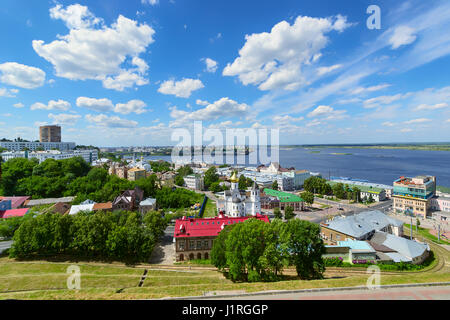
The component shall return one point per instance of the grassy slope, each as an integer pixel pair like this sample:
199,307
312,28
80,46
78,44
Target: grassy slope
44,280
426,234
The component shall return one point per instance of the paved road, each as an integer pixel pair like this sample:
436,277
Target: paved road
349,209
5,245
414,293
164,252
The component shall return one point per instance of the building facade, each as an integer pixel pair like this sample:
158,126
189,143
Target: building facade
50,134
194,181
136,174
414,195
34,145
275,198
120,171
440,203
240,203
88,155
194,237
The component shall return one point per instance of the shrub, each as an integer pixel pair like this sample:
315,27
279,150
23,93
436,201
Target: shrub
333,262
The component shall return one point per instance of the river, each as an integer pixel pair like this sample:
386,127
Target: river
374,165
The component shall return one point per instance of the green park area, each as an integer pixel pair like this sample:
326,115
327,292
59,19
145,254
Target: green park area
48,280
425,233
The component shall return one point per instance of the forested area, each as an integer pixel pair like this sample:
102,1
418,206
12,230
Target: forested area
124,236
74,177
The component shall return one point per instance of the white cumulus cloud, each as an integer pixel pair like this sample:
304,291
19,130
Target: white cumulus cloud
222,108
93,51
63,118
273,60
52,105
211,65
181,89
101,105
103,120
22,76
136,106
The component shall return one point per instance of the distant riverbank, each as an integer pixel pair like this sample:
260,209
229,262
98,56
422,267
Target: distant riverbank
412,146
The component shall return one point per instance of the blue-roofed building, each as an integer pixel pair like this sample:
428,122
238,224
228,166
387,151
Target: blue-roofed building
359,227
147,205
359,250
351,251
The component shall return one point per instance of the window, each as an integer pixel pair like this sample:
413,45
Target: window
191,244
199,244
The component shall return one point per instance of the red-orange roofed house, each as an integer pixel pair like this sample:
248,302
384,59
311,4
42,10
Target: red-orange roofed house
194,237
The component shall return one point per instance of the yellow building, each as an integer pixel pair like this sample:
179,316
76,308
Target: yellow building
136,174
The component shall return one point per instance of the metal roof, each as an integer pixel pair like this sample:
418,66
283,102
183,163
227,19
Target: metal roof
283,196
208,227
408,248
357,246
361,224
13,213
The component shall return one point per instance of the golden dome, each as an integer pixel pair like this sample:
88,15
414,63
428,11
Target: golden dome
234,178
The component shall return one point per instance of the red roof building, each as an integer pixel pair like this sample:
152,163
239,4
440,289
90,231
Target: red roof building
16,202
194,237
13,213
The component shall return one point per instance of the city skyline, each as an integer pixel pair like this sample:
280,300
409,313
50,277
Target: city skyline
127,74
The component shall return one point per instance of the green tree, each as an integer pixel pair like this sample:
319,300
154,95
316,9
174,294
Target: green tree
218,250
210,177
339,191
277,213
288,212
275,185
275,256
179,181
306,248
185,171
242,185
13,171
244,247
308,197
356,194
317,185
215,187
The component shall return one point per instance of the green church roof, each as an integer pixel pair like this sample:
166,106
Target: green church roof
283,196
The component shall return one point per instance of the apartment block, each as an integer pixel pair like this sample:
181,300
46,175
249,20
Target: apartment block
50,134
413,195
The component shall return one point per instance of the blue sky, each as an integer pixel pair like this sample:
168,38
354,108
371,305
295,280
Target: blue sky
116,73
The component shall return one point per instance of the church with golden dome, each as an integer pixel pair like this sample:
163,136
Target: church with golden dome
240,203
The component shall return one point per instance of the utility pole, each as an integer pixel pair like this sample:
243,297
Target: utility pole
411,227
439,233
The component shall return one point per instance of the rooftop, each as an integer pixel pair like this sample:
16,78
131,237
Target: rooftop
405,247
13,213
361,224
283,196
16,202
208,227
358,246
